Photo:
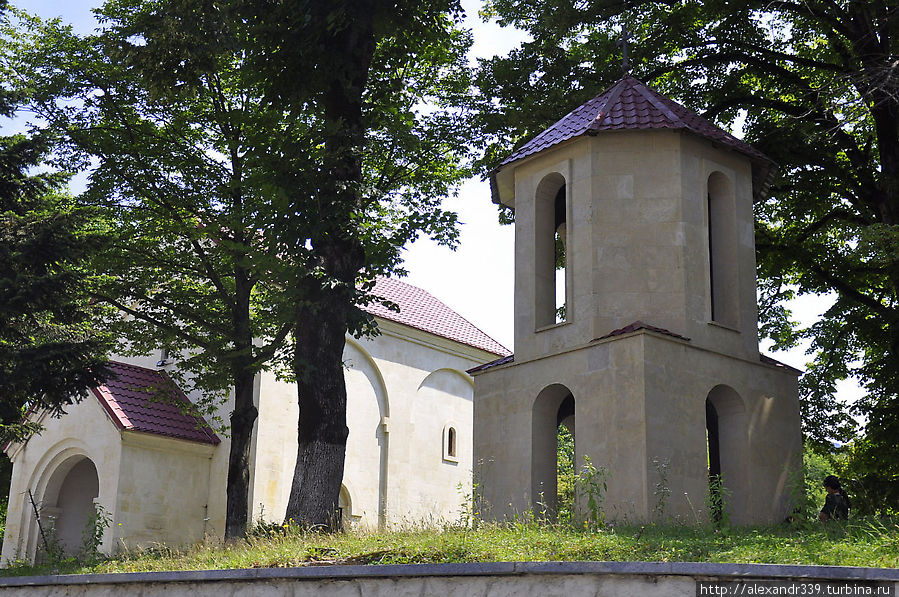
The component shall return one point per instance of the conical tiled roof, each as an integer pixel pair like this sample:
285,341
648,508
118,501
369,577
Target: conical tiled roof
631,105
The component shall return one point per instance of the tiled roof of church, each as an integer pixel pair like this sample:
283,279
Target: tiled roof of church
628,105
145,400
420,310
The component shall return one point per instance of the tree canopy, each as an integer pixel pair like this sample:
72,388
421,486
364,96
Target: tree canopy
816,86
50,354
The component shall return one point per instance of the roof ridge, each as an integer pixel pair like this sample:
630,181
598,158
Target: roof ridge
604,111
657,103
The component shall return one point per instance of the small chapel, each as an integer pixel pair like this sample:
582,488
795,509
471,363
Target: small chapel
636,322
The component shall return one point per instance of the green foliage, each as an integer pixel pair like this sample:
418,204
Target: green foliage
717,501
815,86
50,351
591,487
566,477
92,535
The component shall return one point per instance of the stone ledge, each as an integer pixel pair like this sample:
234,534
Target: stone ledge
693,569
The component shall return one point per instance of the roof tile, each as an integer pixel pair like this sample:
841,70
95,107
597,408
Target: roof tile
637,326
420,310
142,399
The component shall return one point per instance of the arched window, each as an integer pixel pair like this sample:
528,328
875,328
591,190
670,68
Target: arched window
450,444
550,243
724,279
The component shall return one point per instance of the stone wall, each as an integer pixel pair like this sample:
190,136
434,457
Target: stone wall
569,579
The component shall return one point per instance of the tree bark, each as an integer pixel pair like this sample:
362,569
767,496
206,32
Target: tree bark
322,430
243,417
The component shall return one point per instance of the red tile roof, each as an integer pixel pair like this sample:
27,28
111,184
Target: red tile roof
637,326
420,310
145,400
492,364
775,363
629,105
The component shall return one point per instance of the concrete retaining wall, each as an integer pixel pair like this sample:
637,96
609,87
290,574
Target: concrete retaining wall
499,579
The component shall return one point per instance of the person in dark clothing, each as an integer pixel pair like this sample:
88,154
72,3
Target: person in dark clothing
836,504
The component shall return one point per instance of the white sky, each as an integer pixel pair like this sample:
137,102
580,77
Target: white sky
476,280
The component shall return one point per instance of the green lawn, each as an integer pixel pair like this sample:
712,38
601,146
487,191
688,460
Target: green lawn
870,542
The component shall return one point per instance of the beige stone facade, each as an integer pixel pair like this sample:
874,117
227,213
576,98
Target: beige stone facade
657,349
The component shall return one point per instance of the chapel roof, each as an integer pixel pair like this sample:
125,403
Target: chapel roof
420,310
142,399
631,105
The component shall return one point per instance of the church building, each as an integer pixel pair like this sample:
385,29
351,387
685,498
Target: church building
160,475
635,320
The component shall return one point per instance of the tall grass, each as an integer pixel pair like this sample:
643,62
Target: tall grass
868,542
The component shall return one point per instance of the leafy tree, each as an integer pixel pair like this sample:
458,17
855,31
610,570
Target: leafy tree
816,82
364,69
169,172
229,195
50,353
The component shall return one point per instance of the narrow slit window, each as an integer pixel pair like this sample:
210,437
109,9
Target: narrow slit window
450,444
724,279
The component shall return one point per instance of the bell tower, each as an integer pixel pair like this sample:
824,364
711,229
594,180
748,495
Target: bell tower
635,314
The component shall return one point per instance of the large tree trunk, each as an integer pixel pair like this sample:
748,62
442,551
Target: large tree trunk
322,429
243,417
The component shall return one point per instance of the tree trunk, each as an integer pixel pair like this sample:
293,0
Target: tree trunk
243,417
322,430
321,330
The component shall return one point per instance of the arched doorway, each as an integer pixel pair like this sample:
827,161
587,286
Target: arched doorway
554,406
69,502
727,435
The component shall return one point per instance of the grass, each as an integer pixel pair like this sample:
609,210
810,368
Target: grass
867,542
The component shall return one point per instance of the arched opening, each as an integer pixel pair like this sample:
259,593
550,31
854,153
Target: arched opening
368,407
68,504
723,267
553,408
550,243
726,433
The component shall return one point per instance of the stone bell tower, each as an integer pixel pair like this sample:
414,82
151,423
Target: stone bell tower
636,319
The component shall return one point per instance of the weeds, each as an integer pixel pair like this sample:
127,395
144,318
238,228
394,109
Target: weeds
718,498
662,491
591,486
